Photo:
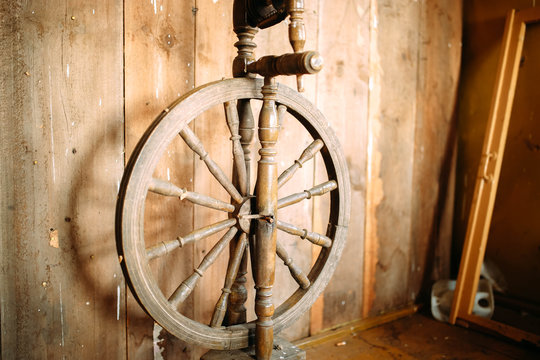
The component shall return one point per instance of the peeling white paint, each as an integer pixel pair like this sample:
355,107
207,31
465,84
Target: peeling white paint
157,93
118,302
158,350
51,126
93,11
168,174
67,70
100,102
215,1
62,315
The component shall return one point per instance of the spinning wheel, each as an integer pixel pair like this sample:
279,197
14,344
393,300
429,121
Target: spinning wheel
252,219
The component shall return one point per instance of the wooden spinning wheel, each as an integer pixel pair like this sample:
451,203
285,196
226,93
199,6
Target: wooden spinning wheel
251,220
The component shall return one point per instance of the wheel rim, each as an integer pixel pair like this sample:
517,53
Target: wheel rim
134,187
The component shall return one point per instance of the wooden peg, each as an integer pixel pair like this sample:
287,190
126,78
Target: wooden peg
295,271
306,155
309,62
297,32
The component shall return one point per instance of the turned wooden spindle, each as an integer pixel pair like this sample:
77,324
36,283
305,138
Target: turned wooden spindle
187,286
166,247
266,205
245,44
197,146
232,270
166,188
317,190
246,131
295,271
297,32
308,62
307,154
313,237
231,114
236,311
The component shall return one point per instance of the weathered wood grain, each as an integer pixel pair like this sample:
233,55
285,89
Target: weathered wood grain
62,291
214,52
159,67
66,113
435,145
342,96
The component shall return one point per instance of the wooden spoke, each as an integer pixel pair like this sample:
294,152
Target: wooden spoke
183,291
232,270
246,131
168,189
296,272
231,113
167,246
196,145
281,110
307,154
315,238
318,190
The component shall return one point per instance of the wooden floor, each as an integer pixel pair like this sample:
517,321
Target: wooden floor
419,337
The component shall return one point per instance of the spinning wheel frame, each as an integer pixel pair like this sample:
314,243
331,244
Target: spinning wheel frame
137,178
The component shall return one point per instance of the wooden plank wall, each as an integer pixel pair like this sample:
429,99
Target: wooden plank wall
159,67
99,74
62,130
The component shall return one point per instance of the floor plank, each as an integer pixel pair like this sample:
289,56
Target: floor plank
419,337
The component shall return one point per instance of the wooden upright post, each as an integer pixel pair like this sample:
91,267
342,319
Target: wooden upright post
266,204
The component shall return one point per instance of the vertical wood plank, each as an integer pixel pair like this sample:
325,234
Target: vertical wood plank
214,52
391,148
62,144
159,67
435,144
342,97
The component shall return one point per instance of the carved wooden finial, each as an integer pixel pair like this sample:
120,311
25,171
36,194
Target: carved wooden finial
297,32
245,44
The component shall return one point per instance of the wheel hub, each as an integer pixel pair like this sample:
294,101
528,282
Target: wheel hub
241,214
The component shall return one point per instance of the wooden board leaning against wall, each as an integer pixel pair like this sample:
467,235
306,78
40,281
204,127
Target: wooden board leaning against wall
484,23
